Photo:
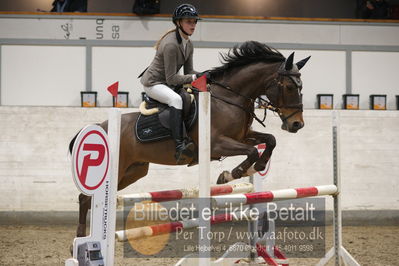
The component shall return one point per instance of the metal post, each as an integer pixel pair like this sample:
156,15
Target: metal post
348,63
337,222
89,69
252,227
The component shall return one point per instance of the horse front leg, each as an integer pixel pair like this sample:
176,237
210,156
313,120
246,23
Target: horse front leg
225,146
255,138
84,206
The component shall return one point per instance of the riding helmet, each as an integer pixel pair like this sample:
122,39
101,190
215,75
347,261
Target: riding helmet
185,11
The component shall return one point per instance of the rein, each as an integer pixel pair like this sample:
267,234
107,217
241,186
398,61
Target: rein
251,112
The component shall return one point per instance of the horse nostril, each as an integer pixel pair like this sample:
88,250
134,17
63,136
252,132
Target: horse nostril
296,125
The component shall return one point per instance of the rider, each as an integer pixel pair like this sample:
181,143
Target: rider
173,51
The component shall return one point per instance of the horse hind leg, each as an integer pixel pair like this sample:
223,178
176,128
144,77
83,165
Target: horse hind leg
133,173
84,203
84,206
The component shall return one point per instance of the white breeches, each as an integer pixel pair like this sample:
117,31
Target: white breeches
164,94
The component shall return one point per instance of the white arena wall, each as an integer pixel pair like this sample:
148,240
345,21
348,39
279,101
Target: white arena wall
35,171
47,60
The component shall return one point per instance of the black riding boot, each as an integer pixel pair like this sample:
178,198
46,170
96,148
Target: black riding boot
184,150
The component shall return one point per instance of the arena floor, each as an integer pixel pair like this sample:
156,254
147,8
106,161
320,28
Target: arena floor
49,245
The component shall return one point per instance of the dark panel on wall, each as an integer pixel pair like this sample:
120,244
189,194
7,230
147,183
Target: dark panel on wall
272,8
105,6
264,8
25,5
110,6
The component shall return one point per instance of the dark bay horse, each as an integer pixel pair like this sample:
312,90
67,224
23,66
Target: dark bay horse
249,71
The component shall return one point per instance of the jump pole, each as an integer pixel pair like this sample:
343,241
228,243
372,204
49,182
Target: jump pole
273,195
167,228
220,201
204,150
114,133
178,194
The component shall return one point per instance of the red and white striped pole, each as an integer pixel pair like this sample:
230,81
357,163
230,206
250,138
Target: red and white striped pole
159,229
225,201
177,194
269,196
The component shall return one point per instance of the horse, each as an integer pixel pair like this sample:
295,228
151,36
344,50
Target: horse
249,71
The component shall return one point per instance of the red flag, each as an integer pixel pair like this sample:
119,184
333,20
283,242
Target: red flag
200,83
113,89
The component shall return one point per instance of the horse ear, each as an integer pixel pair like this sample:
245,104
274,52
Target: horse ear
289,61
301,63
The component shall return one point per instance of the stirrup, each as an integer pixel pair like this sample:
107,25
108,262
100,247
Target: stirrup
185,153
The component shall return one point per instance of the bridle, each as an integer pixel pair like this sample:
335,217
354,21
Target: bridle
249,108
295,77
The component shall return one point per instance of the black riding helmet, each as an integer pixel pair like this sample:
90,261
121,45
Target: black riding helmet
185,11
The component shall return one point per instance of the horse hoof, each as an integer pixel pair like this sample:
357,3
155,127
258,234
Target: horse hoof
222,179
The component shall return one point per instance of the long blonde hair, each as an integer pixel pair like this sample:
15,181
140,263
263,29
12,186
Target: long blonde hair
163,36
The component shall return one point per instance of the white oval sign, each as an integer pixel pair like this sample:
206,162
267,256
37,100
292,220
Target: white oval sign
90,159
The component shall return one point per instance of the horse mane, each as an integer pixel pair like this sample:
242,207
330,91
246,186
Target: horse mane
247,53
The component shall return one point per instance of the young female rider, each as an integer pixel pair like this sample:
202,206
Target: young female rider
174,50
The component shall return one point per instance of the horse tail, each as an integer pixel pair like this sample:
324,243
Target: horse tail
74,139
73,142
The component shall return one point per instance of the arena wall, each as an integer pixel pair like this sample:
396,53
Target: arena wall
35,171
48,60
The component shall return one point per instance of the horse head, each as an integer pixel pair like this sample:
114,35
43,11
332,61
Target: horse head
285,94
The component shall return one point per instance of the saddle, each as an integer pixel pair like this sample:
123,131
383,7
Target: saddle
153,121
